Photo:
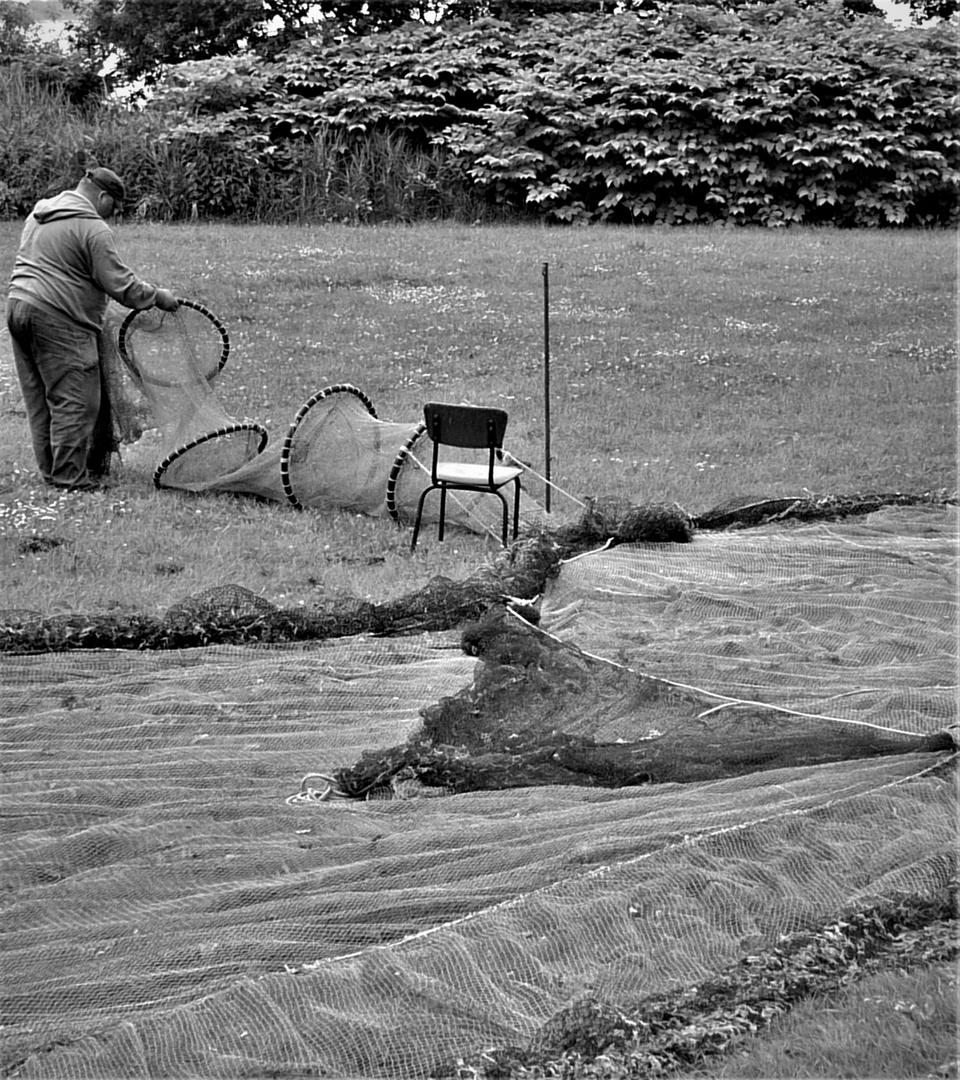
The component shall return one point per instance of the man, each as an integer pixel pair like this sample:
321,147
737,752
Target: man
66,268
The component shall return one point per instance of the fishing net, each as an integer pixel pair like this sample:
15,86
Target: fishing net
123,414
336,451
471,849
173,358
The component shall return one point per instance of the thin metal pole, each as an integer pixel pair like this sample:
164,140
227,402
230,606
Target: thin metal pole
546,380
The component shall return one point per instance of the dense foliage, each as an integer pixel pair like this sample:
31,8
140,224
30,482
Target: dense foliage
147,35
768,114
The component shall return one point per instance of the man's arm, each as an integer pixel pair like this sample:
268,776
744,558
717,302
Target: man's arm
118,281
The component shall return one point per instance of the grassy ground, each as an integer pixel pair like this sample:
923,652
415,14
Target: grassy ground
686,366
905,1026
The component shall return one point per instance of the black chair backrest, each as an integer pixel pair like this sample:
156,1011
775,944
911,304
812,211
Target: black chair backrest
469,426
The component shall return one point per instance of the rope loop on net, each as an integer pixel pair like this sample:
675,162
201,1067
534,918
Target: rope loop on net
230,429
308,794
287,445
127,325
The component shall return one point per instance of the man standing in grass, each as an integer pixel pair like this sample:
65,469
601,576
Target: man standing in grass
65,269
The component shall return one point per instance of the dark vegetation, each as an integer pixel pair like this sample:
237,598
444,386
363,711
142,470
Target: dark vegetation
231,614
671,1033
766,114
514,727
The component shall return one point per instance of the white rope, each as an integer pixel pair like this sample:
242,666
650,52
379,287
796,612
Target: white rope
511,460
308,794
726,700
508,459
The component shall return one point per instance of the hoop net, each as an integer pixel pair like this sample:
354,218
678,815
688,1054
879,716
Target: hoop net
173,357
336,451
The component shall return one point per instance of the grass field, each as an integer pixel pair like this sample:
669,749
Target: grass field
687,366
905,1026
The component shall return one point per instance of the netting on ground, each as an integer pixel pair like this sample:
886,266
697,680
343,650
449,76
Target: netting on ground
848,621
231,614
373,856
160,369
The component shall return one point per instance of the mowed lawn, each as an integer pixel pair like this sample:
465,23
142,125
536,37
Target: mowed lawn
686,366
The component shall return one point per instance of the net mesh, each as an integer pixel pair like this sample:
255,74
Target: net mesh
336,451
848,622
312,858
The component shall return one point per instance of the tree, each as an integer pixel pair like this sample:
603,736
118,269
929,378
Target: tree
19,35
148,34
357,17
43,63
922,11
521,10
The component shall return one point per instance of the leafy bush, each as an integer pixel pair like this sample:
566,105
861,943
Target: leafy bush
765,115
770,114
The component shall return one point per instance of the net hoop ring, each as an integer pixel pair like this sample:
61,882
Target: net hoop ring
399,462
287,445
194,306
228,429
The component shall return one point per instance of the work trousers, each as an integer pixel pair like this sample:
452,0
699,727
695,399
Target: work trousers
58,368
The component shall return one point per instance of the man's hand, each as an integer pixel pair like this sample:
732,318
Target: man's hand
166,301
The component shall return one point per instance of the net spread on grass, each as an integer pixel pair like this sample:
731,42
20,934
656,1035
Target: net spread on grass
358,853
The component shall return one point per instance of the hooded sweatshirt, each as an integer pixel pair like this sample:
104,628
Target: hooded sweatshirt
68,263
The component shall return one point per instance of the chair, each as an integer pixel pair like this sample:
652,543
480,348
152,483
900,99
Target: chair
468,427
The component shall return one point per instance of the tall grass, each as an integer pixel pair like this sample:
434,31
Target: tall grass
686,366
39,136
377,177
199,172
890,1026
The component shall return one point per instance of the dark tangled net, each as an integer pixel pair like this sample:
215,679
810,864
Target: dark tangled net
231,614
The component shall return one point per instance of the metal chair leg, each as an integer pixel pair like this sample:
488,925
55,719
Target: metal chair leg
416,524
505,530
506,519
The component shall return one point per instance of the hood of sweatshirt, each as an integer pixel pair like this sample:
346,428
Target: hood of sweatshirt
68,204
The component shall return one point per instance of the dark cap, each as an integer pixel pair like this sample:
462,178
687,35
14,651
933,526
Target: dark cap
108,180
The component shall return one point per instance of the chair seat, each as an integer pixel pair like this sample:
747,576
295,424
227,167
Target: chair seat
476,428
454,472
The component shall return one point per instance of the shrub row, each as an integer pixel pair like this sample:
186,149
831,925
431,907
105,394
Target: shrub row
176,173
769,115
